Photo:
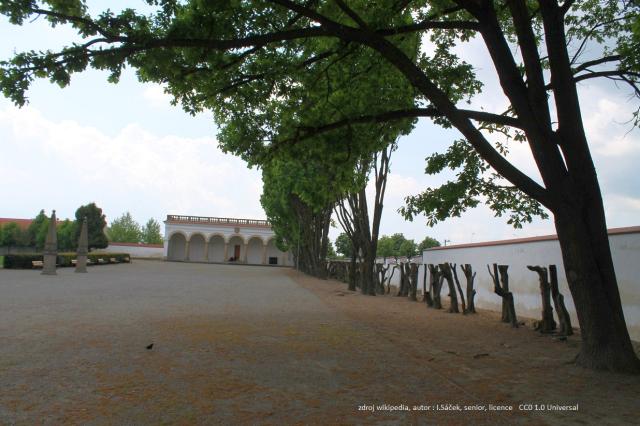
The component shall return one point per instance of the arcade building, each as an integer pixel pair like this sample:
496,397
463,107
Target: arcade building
221,240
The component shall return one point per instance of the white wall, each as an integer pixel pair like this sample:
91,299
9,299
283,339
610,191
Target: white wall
625,248
134,250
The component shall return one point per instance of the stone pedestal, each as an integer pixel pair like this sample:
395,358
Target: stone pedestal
83,249
50,248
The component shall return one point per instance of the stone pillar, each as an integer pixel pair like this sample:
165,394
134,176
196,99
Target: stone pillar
206,251
50,248
264,254
83,248
244,255
226,252
186,251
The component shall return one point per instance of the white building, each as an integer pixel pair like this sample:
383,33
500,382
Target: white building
218,239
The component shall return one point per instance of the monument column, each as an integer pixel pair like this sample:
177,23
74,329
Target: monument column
50,248
83,249
226,252
264,254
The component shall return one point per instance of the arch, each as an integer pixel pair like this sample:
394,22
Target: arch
238,254
217,234
196,248
178,232
255,249
240,236
216,248
273,251
177,246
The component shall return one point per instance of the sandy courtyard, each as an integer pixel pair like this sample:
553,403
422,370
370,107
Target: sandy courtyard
261,345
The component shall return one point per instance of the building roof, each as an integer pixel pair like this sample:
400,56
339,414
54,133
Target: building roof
22,223
610,231
205,220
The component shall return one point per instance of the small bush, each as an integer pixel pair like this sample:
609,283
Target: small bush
23,261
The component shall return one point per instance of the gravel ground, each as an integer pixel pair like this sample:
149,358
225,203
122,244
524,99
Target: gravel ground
260,345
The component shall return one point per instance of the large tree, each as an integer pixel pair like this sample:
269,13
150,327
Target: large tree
124,229
151,232
204,50
96,224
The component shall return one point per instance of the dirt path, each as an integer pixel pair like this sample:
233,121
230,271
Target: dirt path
489,362
256,345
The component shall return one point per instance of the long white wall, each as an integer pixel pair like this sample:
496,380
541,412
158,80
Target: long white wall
625,247
136,250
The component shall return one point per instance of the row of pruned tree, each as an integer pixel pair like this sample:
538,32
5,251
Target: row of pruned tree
463,300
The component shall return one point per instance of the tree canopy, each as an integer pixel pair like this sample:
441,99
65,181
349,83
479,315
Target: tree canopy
396,245
151,232
96,224
124,229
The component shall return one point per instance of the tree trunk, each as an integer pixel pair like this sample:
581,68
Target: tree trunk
353,272
436,280
592,281
500,274
413,279
558,300
403,291
455,277
470,276
453,298
547,324
426,294
393,270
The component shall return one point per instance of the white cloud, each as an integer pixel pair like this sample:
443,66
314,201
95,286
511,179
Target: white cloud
156,97
65,164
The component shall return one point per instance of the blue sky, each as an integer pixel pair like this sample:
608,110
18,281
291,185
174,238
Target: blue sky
126,148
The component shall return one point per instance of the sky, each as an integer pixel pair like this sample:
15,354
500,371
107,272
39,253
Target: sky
126,148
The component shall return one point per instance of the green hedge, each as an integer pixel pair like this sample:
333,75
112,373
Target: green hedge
23,261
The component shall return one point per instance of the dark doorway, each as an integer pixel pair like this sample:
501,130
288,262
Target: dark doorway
273,261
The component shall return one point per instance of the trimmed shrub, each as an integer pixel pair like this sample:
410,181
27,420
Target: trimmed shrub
23,261
20,261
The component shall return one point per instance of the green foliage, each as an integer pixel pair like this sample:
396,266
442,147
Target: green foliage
41,221
344,246
151,233
473,185
12,235
124,229
428,243
396,245
96,223
67,235
331,253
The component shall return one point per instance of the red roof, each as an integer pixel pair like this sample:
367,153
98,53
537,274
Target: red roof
610,231
22,223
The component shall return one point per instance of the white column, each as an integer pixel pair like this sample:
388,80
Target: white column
186,251
226,251
264,254
244,255
206,251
